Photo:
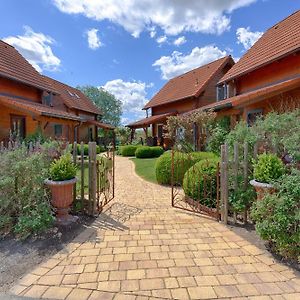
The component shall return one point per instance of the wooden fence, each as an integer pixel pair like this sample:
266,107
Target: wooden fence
95,178
235,165
95,175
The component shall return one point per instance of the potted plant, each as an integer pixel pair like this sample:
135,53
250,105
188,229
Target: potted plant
266,169
61,183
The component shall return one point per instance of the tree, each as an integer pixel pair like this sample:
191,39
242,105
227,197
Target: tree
109,105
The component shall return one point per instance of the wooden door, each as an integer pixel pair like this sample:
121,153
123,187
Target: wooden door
18,126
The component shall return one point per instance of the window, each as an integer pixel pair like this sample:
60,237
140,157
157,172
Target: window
221,92
58,130
159,131
17,126
252,115
47,99
90,133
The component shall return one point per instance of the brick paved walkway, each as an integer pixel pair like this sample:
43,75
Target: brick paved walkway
141,248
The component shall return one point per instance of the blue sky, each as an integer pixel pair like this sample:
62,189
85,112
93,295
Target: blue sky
131,47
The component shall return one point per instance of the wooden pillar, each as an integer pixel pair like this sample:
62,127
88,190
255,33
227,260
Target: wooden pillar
146,132
132,134
96,134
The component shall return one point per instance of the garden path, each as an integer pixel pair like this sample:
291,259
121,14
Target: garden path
142,248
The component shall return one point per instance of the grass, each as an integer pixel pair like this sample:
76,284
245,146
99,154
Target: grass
145,168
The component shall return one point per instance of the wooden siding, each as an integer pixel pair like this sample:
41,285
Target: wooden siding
15,88
277,71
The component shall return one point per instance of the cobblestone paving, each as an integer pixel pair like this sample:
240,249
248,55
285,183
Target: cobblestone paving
142,248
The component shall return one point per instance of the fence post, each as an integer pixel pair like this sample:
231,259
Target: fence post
246,150
82,172
92,177
75,162
224,183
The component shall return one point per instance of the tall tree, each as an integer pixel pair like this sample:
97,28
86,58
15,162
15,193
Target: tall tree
108,103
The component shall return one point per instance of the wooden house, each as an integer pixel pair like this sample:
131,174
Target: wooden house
31,102
266,78
182,94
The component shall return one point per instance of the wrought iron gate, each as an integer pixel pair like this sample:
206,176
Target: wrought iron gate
105,178
191,190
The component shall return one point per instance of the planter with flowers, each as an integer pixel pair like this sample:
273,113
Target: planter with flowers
61,183
266,169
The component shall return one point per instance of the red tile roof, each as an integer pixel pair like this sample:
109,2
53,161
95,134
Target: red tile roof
260,94
14,66
150,120
73,97
189,84
277,42
37,108
100,124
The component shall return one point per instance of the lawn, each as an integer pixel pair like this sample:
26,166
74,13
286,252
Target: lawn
145,168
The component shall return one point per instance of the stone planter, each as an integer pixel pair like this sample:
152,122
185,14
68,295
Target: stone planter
62,198
262,188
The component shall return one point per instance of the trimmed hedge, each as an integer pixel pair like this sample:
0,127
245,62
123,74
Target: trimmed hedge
99,149
148,152
183,161
200,182
128,150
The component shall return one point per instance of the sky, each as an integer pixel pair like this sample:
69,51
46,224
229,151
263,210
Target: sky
132,47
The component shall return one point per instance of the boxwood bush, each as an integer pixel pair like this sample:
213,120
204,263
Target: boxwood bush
200,182
148,152
267,168
182,162
128,150
99,149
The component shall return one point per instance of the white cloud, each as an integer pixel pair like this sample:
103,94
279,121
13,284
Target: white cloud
173,17
161,39
152,33
177,63
133,96
93,39
36,48
180,41
246,37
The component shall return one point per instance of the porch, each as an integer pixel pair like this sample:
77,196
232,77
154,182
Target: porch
156,125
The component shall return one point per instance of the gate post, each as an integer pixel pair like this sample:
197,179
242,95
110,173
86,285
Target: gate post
92,177
224,183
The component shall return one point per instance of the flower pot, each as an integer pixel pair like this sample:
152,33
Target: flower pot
262,188
62,198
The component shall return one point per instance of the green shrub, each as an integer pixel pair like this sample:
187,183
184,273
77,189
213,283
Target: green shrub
34,221
157,151
22,188
182,162
143,152
280,132
217,135
148,152
200,182
128,150
99,149
277,216
37,136
198,156
63,168
242,199
267,168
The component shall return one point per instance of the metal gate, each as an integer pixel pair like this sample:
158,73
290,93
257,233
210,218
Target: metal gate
96,178
191,190
105,178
